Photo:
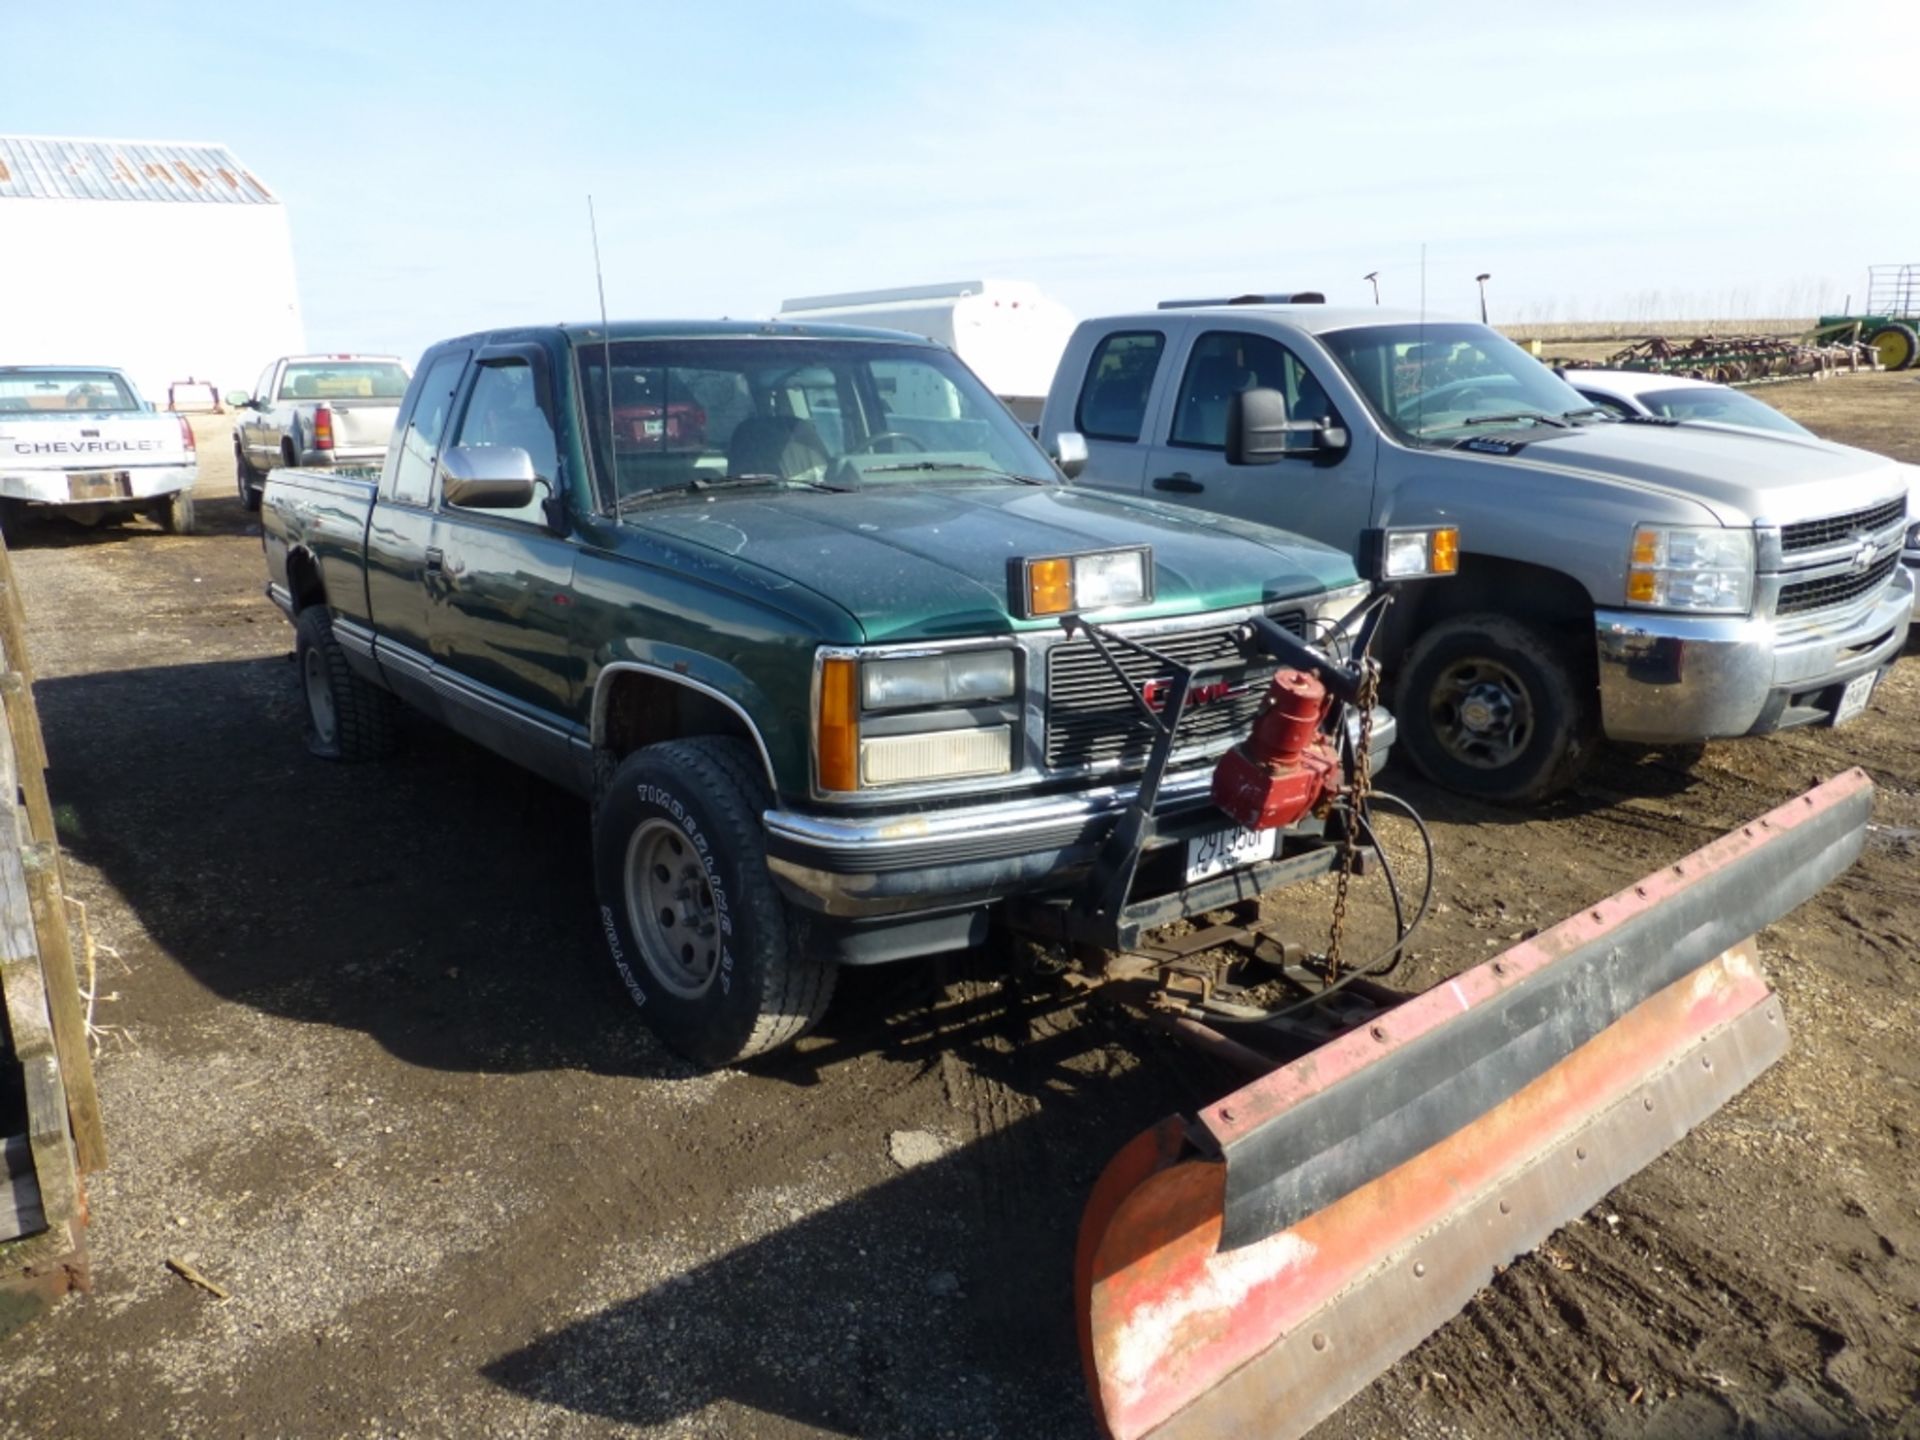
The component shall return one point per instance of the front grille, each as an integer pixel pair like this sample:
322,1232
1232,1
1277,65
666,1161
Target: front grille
1834,589
1818,534
1092,720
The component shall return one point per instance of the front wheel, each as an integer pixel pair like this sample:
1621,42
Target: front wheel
699,936
1496,708
246,478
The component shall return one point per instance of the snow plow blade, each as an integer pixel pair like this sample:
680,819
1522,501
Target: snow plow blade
1247,1269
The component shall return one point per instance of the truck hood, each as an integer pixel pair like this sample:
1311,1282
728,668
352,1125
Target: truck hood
1743,477
75,440
921,562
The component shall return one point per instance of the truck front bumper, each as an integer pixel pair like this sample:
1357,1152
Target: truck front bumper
1673,678
106,487
946,861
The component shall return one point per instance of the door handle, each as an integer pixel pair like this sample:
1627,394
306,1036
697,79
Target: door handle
1180,482
436,560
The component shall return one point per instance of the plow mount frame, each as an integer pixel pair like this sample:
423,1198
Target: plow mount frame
1249,1268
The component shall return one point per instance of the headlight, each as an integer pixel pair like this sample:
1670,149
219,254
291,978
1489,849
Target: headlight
912,748
937,679
1691,567
1065,584
1410,552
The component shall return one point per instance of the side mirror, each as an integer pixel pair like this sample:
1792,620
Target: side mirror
1259,432
1070,452
239,399
487,477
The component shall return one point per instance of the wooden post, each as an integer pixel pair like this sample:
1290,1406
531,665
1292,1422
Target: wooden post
45,883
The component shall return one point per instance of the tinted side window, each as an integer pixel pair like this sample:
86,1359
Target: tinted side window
1113,401
264,385
1225,362
1608,403
410,477
504,409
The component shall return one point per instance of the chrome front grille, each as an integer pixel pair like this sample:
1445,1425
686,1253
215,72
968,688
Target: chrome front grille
1806,595
1818,534
1092,719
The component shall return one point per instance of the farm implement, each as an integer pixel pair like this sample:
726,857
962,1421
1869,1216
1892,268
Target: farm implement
1247,1267
1890,324
1747,359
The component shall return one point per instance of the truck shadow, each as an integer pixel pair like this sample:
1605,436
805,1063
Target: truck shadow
213,516
441,901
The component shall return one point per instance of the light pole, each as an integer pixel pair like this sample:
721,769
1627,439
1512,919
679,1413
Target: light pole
1374,277
1482,279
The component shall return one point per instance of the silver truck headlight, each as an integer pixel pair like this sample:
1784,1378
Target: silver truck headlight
1691,567
924,680
938,755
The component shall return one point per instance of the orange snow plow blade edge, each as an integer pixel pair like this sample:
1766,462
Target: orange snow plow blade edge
1248,1269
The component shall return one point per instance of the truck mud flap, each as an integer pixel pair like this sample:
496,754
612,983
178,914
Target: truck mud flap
1247,1269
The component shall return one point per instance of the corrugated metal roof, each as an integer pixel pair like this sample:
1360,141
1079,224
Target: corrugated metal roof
36,167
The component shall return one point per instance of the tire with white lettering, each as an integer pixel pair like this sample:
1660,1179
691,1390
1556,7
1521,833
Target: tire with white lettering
1496,708
348,717
698,934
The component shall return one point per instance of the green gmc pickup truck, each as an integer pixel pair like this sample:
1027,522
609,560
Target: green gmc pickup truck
787,603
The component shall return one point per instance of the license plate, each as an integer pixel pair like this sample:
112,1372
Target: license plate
653,428
1224,850
1854,698
98,484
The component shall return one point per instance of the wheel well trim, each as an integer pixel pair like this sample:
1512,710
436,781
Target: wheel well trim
597,728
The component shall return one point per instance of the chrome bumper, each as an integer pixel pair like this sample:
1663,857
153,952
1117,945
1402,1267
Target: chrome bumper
340,459
50,487
1668,678
856,866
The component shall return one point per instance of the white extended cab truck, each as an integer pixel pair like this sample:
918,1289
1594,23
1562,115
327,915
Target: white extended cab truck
1636,579
77,440
308,410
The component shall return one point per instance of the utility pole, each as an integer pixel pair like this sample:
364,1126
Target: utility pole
1374,277
1482,279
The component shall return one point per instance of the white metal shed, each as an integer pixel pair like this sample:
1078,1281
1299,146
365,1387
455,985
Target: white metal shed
170,260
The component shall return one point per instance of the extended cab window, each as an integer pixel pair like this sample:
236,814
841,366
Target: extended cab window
504,409
1113,401
1225,362
410,480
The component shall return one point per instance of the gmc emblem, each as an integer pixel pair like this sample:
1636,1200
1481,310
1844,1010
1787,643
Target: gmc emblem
1206,692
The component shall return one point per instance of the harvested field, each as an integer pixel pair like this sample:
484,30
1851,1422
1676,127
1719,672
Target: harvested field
360,1068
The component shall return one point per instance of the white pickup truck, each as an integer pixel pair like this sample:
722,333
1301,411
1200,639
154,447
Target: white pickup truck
79,441
315,410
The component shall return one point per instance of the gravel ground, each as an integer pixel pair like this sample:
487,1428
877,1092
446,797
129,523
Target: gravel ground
361,1068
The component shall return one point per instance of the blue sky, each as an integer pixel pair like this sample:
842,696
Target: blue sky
1626,160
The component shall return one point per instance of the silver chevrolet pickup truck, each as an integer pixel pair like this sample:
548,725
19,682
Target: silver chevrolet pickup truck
310,410
1629,578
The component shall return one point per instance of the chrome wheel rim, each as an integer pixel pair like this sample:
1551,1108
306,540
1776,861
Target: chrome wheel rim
671,910
1481,713
313,670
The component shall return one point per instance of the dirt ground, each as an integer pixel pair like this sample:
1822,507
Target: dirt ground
360,1066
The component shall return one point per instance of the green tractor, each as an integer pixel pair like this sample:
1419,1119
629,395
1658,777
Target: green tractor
1891,322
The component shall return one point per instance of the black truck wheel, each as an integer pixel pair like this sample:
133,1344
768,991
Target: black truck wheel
246,478
175,513
1494,707
348,717
698,934
1897,344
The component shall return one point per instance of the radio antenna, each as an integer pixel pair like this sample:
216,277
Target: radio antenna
606,335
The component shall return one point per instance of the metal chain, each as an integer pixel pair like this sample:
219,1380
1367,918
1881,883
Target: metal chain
1357,800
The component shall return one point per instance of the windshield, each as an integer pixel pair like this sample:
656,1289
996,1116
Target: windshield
819,414
344,380
1441,382
1722,407
95,391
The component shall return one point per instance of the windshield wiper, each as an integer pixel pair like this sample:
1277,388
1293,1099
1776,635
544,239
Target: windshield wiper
1538,417
1599,410
953,465
699,486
